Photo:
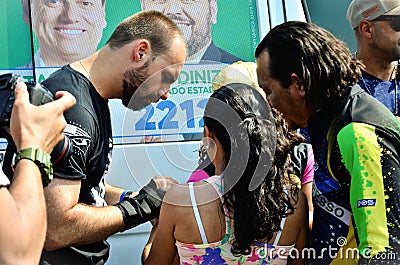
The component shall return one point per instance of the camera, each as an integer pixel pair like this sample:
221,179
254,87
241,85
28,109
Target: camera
38,95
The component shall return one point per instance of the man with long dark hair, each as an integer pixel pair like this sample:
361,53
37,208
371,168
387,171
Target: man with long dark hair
311,78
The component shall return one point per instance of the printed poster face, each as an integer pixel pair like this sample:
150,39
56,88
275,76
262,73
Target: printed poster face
68,30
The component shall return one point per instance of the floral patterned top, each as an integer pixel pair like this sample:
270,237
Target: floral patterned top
220,252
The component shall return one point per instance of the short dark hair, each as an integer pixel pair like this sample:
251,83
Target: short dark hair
322,61
151,25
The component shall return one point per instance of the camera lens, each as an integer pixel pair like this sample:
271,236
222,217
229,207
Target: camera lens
61,152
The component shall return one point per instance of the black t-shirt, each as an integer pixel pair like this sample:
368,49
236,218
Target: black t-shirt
89,128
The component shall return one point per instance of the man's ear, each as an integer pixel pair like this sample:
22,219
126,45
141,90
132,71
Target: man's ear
365,28
25,10
299,86
141,50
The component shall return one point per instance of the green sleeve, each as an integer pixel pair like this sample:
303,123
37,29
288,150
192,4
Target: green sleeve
361,154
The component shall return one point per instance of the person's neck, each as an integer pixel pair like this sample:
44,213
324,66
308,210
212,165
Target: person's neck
108,71
378,67
100,73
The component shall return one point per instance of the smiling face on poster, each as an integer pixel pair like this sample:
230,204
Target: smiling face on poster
194,18
67,30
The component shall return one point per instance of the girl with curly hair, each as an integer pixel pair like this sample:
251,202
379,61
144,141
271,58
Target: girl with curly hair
250,212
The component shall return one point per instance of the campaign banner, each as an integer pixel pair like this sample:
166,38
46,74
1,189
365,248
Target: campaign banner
235,30
70,30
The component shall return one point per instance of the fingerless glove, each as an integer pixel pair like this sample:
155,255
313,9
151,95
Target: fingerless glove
142,208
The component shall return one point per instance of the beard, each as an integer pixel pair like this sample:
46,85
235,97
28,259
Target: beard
197,40
197,36
133,85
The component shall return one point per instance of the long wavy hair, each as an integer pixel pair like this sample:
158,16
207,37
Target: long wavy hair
256,149
322,61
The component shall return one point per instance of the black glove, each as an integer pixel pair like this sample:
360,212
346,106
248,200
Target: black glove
142,208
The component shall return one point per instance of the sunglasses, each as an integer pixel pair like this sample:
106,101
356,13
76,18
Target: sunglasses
394,21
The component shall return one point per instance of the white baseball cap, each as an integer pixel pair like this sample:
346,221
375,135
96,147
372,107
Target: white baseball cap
370,10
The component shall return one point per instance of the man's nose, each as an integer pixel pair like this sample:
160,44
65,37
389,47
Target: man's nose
173,7
70,12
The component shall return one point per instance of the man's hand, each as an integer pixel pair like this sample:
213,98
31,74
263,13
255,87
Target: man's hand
164,182
146,205
38,126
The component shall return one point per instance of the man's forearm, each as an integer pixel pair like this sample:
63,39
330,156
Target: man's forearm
94,223
112,194
83,224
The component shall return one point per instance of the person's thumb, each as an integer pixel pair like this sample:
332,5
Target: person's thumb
21,93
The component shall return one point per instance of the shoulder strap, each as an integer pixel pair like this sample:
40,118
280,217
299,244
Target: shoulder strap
216,183
197,214
278,235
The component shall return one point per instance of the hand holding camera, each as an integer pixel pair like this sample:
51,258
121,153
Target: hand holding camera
31,129
38,95
38,127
